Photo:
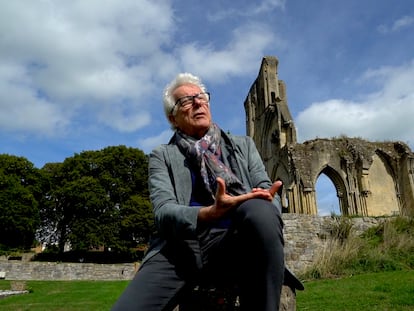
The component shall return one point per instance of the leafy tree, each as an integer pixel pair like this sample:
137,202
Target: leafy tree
54,208
20,192
136,220
98,198
89,203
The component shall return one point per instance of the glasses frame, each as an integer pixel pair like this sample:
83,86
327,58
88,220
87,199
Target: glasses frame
179,101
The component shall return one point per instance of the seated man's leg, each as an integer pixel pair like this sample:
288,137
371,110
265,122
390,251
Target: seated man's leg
251,254
155,287
260,233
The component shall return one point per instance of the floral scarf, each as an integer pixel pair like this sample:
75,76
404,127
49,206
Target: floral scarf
206,154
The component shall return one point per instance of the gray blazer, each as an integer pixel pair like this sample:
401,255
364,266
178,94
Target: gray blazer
170,185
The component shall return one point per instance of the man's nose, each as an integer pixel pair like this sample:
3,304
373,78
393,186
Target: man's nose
197,101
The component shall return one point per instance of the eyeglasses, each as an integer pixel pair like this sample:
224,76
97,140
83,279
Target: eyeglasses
186,102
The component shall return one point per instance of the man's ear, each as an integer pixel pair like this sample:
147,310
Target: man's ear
172,119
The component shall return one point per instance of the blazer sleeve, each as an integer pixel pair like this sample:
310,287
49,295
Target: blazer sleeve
252,167
173,217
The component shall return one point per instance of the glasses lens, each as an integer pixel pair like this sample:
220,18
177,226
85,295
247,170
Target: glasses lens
204,97
187,101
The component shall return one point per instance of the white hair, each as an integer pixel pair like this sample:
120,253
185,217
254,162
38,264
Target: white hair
168,98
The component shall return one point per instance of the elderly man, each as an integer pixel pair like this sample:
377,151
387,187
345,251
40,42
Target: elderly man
217,214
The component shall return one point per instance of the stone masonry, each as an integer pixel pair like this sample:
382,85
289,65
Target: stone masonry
305,237
48,271
370,178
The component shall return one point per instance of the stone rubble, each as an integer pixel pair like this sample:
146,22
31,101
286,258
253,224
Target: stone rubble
6,293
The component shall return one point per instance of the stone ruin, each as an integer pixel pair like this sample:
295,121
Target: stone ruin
370,178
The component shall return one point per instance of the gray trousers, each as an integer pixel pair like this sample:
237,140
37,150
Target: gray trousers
248,253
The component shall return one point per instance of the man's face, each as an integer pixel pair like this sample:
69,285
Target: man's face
195,119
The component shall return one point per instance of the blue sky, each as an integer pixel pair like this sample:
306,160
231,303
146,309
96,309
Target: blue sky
83,75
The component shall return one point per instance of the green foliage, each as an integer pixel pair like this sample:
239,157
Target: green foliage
82,256
374,235
92,200
388,246
137,222
97,199
7,251
341,227
20,192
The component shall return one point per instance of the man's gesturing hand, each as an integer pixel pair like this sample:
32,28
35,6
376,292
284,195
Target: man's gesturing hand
224,202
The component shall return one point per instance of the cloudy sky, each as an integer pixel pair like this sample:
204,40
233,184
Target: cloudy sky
82,75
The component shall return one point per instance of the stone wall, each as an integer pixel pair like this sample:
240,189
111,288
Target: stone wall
370,178
305,236
21,270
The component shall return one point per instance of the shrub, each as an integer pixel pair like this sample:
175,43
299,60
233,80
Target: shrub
388,246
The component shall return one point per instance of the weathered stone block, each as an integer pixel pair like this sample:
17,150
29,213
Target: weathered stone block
18,285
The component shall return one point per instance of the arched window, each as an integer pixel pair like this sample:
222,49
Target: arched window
326,196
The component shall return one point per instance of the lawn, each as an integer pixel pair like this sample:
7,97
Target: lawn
374,291
64,296
391,291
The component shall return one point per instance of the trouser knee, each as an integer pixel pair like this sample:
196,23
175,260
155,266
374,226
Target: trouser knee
258,212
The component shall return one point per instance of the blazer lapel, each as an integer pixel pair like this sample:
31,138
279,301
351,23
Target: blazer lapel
229,157
181,174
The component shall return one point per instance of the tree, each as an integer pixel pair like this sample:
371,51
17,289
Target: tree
97,198
89,203
137,222
20,192
54,208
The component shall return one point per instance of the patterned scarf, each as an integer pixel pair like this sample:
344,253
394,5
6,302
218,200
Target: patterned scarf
206,154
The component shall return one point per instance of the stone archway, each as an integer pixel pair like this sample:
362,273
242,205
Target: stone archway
356,167
327,201
340,188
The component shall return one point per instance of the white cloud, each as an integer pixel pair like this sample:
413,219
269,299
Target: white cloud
239,57
268,5
104,61
24,108
82,56
253,9
384,115
147,144
403,22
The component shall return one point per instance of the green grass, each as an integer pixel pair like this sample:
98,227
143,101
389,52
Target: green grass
393,291
381,263
64,296
373,291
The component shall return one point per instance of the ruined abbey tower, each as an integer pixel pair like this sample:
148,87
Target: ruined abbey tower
370,178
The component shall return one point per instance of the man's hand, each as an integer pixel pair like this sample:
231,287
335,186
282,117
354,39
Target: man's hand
224,203
271,192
